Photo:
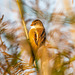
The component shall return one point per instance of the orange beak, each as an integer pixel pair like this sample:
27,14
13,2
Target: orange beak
31,25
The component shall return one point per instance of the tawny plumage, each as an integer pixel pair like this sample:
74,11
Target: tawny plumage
37,35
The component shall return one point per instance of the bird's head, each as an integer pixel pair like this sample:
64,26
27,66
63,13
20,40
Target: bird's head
37,23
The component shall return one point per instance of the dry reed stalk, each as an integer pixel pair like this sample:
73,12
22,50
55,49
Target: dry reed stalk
19,3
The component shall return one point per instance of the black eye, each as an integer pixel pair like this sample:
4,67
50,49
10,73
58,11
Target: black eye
34,23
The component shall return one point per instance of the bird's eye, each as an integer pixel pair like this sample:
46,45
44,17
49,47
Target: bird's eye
34,23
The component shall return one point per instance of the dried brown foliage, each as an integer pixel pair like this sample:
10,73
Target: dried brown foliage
11,62
55,57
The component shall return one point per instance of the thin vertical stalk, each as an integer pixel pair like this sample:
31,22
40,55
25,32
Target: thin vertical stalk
20,6
72,1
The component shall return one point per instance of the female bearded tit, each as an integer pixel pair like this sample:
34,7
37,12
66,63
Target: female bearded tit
37,35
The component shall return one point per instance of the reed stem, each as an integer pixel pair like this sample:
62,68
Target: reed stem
20,6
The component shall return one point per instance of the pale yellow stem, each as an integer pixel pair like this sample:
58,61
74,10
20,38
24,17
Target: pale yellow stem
23,22
72,1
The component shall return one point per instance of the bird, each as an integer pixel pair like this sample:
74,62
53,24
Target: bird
37,35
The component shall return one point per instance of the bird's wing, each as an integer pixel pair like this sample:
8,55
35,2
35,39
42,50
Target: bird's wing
35,38
41,36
